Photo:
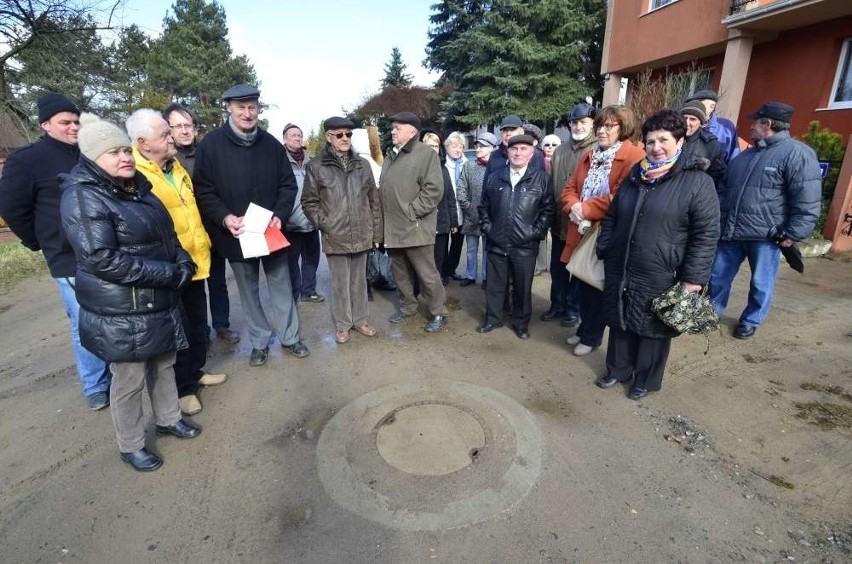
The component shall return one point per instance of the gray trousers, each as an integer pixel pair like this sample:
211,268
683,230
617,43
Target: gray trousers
125,398
348,290
284,317
408,262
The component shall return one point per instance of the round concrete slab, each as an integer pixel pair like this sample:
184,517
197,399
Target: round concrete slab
430,440
367,466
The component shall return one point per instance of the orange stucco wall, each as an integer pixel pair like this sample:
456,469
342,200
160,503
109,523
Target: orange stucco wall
799,68
640,37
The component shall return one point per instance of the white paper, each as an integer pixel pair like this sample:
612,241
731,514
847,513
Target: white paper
253,238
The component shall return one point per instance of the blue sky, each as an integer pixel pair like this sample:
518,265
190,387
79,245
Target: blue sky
313,58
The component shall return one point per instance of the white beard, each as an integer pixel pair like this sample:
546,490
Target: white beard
579,136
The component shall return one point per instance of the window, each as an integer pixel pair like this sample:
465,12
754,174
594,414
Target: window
841,92
654,4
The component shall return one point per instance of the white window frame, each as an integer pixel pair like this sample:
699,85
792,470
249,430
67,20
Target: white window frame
657,4
844,63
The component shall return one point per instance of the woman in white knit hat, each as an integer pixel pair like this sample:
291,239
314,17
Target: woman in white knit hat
130,268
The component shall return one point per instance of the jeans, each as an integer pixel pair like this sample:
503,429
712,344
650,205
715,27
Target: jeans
472,256
93,372
763,258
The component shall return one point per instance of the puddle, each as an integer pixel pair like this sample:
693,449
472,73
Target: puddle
310,428
296,516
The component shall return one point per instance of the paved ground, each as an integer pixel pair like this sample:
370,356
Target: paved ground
454,447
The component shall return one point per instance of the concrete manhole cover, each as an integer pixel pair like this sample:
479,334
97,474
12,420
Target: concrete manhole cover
430,455
430,439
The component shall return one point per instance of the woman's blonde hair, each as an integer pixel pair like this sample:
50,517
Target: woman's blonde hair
455,138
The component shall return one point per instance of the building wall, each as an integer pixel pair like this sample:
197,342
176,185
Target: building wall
798,68
640,37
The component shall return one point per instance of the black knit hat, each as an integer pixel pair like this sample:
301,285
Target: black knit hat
52,103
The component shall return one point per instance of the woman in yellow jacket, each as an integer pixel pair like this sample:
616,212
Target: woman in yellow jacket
154,150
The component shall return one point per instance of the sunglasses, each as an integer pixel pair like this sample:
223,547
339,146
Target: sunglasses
348,135
550,145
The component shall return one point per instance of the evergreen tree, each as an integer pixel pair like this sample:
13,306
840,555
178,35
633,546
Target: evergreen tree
534,59
192,61
395,74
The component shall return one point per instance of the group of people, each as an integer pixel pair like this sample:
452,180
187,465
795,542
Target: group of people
132,223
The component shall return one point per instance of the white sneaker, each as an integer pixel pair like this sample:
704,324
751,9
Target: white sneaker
212,379
582,350
575,340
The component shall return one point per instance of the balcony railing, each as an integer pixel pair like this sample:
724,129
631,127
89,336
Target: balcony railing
738,6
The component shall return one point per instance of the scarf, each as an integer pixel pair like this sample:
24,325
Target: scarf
597,181
299,155
483,162
457,170
651,173
245,139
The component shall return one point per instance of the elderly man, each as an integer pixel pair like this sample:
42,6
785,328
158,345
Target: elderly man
412,186
238,164
154,152
515,212
184,126
29,202
701,150
304,238
340,198
564,291
770,196
469,194
724,129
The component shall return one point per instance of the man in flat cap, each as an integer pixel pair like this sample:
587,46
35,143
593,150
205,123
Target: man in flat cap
29,202
701,150
340,199
499,159
411,188
724,129
515,212
304,252
565,290
770,196
238,164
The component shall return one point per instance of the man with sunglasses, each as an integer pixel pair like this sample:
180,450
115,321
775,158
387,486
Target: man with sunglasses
29,202
304,251
412,186
238,164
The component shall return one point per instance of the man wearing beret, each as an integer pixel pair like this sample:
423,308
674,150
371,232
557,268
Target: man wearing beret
235,165
340,198
29,202
701,149
515,212
724,129
304,251
770,196
411,189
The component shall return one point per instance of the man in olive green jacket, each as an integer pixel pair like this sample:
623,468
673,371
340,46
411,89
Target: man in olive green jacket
411,186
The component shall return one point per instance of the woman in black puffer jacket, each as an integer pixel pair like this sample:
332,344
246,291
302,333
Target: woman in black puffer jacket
130,270
661,228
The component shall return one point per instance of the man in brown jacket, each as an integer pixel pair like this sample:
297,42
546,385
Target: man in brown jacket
564,291
340,199
412,186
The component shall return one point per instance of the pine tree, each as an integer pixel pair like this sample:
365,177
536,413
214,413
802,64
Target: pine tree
395,74
192,61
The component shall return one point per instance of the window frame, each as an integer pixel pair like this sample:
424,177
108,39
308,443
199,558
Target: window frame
652,8
844,63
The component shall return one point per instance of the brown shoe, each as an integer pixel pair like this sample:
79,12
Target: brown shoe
189,405
212,379
367,330
228,336
341,336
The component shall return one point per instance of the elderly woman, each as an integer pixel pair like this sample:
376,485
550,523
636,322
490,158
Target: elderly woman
448,219
661,229
130,272
468,195
586,198
454,144
549,144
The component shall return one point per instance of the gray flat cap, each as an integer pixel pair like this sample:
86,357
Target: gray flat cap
241,92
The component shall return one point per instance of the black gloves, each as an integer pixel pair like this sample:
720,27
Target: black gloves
185,272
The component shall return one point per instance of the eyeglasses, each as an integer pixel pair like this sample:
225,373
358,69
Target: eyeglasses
608,126
182,127
550,145
348,135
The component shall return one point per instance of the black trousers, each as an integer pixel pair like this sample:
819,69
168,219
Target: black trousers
592,323
520,266
304,246
564,290
629,355
451,263
217,286
442,241
190,361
